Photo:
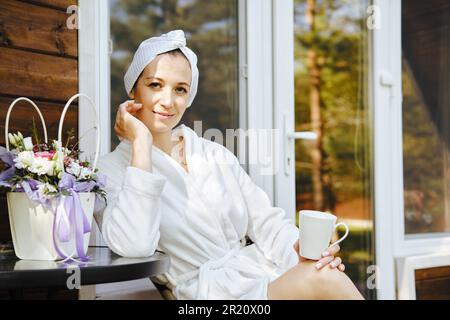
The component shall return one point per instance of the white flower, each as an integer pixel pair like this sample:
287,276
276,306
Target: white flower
46,190
24,160
78,171
74,169
42,166
28,143
85,173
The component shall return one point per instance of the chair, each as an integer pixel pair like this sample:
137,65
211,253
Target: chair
163,288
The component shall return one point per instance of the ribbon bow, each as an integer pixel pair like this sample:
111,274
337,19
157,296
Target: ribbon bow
70,212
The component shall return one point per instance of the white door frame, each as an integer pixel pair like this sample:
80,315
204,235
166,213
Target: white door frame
270,59
259,85
284,104
387,150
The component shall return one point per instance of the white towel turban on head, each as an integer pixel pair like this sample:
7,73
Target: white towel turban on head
150,48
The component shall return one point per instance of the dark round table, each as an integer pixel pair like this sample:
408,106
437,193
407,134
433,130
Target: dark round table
103,267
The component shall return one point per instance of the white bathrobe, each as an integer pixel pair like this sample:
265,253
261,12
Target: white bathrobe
199,218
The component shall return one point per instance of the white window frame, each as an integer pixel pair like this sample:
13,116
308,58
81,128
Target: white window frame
391,242
407,244
94,77
93,80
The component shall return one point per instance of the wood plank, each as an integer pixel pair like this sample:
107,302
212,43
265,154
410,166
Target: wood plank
57,4
37,75
40,28
23,113
431,273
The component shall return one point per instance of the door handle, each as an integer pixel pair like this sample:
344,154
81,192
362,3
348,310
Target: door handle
289,139
302,135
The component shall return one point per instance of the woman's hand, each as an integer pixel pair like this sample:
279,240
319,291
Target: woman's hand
328,257
127,126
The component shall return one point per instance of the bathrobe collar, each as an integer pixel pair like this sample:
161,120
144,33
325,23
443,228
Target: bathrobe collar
169,167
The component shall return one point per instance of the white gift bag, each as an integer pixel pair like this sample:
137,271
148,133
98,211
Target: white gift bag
32,227
32,224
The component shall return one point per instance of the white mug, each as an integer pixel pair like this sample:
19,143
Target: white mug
316,230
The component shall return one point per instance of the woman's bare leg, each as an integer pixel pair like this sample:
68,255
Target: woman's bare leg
304,281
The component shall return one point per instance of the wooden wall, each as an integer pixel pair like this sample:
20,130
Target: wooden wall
38,60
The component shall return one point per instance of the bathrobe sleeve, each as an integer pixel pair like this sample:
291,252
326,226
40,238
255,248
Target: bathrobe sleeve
269,227
130,221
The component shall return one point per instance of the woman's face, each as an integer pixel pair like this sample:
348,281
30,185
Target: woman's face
163,89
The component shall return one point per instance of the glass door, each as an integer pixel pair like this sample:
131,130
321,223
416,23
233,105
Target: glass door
333,170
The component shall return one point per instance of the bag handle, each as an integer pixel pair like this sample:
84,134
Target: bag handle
97,126
11,106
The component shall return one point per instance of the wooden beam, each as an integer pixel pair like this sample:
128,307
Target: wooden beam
55,4
37,75
41,29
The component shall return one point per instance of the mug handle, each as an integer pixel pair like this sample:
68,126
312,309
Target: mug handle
344,236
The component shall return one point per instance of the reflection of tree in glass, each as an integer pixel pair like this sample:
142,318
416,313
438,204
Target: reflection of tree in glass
339,42
211,31
331,98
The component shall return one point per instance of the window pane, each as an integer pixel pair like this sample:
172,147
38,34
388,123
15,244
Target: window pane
426,66
211,32
334,173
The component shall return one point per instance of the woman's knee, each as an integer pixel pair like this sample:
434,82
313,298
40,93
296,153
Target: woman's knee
328,283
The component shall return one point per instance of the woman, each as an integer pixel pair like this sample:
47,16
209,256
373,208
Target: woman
171,190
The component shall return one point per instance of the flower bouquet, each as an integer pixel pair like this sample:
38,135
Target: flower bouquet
51,194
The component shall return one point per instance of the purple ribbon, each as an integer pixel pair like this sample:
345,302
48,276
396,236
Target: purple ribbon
70,212
8,158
